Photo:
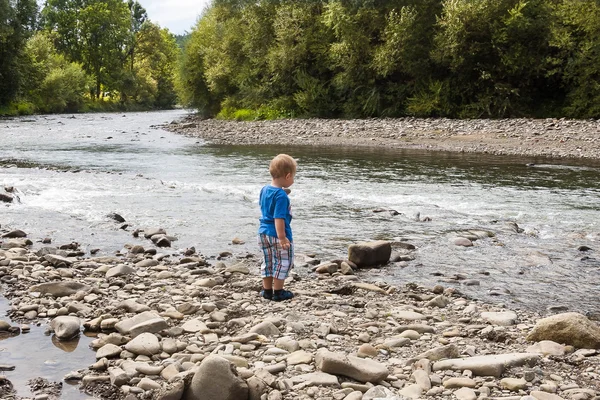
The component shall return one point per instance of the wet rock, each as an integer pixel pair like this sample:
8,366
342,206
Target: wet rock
66,327
116,217
216,379
464,242
6,198
149,232
15,234
568,328
370,254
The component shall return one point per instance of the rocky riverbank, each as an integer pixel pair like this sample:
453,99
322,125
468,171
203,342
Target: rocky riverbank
526,137
181,325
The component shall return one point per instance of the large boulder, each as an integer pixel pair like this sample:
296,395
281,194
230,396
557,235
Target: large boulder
216,379
370,254
568,328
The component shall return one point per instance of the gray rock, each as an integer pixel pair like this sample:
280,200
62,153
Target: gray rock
173,392
60,289
17,233
216,379
146,344
132,306
57,260
504,318
369,254
144,322
265,328
66,327
492,365
120,270
568,328
360,369
108,351
316,379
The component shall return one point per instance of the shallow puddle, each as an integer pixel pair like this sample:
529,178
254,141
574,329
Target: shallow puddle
36,354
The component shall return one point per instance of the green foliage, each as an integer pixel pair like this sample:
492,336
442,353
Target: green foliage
455,58
17,20
53,84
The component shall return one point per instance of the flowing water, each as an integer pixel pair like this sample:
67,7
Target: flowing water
70,172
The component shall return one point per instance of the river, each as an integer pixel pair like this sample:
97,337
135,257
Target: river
70,171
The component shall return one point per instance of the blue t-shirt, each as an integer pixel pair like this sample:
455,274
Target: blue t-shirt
274,203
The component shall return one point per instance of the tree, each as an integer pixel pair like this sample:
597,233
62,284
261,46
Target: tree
53,84
94,33
17,20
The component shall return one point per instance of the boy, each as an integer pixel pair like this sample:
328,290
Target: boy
275,233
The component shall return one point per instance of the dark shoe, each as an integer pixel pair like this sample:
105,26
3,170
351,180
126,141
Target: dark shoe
282,295
267,294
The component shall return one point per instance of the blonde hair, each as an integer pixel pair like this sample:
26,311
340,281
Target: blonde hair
282,165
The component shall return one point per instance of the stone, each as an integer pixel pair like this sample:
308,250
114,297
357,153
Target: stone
265,328
146,344
216,379
194,326
360,369
120,270
547,348
513,384
411,391
118,377
60,289
439,353
66,327
57,260
172,392
538,395
504,318
465,393
17,233
299,357
316,379
140,323
108,351
490,365
132,306
370,254
567,328
454,383
464,242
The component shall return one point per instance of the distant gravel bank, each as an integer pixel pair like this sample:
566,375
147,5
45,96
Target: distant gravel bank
527,137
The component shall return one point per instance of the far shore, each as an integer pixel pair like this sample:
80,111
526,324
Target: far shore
555,138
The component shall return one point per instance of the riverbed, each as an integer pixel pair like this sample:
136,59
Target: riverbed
69,172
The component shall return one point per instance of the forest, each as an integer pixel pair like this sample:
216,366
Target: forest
84,55
268,59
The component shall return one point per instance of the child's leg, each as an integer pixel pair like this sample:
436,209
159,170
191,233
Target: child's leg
268,283
280,271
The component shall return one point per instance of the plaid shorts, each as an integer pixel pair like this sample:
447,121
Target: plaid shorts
277,261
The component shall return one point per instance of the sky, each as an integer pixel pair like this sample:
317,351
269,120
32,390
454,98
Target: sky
177,15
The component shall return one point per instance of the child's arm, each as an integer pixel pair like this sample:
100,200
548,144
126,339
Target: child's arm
280,229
